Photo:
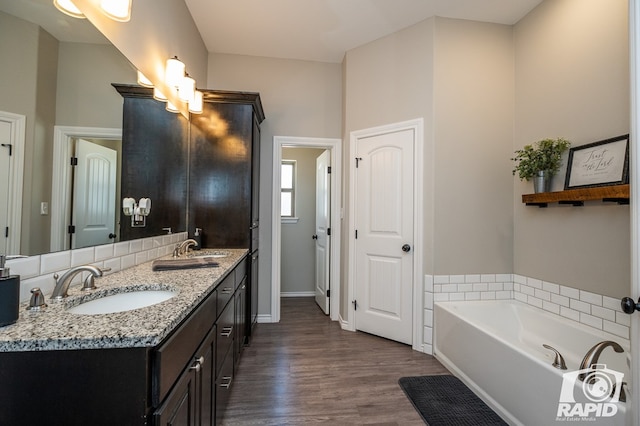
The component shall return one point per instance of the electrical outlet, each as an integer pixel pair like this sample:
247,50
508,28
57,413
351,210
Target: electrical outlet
44,208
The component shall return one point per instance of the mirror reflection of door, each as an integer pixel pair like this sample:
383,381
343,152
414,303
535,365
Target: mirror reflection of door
5,174
94,194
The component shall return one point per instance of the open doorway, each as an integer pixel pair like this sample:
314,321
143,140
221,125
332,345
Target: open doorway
332,146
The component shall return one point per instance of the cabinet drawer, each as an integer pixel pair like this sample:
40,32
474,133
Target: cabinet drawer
240,272
176,352
226,334
225,291
223,386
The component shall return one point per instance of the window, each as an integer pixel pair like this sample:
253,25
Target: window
287,189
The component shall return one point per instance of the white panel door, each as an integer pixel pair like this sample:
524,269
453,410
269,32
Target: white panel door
384,224
323,223
94,194
5,179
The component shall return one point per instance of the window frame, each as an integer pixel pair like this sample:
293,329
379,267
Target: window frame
291,190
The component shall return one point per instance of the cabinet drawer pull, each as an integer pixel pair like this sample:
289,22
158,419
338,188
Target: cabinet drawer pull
227,290
197,364
228,384
226,331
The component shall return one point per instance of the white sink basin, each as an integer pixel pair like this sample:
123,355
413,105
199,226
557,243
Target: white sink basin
122,302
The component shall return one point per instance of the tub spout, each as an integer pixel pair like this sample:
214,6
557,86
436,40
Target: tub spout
593,354
558,362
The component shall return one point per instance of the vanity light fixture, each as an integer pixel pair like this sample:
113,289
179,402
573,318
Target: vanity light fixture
195,106
174,72
158,95
187,88
67,7
118,10
143,80
171,107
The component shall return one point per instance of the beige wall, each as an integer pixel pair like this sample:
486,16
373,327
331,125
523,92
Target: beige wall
85,95
54,83
458,76
300,98
298,248
572,80
28,88
387,81
473,130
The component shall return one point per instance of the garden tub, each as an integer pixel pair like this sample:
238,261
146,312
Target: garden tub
495,347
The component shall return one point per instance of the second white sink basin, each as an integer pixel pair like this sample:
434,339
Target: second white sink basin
122,302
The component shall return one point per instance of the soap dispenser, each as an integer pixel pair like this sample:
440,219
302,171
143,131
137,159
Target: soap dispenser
198,237
9,294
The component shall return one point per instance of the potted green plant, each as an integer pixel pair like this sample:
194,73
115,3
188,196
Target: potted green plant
540,161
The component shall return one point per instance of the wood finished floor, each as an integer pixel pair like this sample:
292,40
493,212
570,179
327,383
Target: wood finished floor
306,370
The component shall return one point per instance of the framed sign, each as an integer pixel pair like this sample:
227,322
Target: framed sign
600,163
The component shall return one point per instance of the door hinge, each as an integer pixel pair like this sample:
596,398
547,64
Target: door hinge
355,305
328,293
358,160
329,231
356,234
6,232
329,170
74,161
8,145
71,229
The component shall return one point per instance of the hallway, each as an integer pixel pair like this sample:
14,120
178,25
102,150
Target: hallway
307,370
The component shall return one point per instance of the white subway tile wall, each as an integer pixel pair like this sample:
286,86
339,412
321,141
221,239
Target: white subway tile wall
593,310
37,271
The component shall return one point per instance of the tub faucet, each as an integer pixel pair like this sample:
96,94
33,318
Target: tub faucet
183,247
63,282
593,354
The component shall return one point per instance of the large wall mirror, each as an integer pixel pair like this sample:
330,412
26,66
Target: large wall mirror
56,96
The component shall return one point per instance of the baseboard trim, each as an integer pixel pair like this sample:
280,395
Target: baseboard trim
297,294
265,318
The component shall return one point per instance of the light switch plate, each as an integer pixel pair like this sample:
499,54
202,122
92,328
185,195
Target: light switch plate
44,208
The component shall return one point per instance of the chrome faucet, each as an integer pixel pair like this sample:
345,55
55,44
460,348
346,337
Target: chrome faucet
183,247
63,282
593,354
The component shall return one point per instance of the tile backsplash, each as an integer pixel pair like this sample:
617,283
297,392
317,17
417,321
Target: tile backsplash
593,310
38,271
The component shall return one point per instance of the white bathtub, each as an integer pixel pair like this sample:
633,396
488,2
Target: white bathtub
495,347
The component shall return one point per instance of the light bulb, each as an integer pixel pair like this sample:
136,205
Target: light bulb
195,106
118,10
67,7
187,89
174,72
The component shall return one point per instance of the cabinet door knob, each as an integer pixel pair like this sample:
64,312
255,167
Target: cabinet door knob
197,365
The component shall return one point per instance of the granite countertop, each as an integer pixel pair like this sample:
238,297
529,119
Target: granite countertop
56,329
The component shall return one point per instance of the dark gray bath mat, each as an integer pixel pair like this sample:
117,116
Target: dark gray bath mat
446,401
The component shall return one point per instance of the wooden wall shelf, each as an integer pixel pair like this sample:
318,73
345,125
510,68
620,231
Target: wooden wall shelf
576,197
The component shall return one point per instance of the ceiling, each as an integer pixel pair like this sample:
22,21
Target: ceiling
323,30
314,30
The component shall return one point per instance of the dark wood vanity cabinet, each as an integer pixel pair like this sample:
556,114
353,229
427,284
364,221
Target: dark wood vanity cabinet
211,165
185,380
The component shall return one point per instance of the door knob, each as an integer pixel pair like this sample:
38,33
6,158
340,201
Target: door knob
112,236
315,237
406,248
629,306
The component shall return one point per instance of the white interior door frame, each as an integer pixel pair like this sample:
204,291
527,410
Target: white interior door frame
18,124
634,61
417,125
334,146
61,180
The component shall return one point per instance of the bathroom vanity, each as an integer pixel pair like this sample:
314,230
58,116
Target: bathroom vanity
166,364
